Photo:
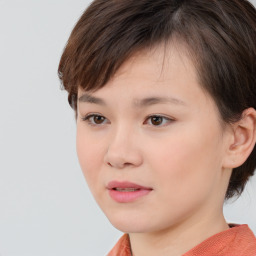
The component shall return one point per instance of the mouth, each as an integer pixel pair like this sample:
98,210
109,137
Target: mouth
125,192
126,189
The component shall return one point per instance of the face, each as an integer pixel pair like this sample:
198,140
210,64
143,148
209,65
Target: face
151,144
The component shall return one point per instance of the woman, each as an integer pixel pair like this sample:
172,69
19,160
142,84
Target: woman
164,94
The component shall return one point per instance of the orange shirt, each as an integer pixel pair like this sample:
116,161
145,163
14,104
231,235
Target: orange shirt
237,241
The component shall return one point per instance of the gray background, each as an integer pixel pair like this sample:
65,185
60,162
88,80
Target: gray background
45,206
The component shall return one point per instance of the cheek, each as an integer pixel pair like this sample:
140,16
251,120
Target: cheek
89,155
184,171
186,160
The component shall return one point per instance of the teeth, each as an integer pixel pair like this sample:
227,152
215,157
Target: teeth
126,189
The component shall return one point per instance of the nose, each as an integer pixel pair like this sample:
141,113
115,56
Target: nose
123,149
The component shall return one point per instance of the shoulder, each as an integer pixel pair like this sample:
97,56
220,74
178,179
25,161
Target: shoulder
239,240
122,247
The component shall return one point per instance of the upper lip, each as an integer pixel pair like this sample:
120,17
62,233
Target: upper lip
125,184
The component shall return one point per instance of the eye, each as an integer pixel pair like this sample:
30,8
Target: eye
158,120
94,119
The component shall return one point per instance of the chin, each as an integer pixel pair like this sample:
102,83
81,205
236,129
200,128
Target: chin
130,228
129,224
135,224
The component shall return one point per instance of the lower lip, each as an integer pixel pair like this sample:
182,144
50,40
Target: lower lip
126,197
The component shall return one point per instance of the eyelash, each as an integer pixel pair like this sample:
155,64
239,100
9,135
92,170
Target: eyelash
88,117
164,118
92,123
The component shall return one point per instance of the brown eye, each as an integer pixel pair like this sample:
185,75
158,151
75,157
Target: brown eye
98,119
156,120
95,120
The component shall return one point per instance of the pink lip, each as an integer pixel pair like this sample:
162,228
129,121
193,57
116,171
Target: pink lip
126,196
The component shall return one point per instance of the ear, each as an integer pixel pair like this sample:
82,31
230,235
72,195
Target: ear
242,140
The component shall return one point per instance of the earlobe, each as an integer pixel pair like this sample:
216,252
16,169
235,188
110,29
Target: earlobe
243,139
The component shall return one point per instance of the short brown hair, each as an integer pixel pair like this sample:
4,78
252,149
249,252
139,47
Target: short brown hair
220,34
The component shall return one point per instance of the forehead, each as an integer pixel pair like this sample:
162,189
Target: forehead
158,63
152,69
160,75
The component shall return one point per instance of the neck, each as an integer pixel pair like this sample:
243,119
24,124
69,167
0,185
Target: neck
177,240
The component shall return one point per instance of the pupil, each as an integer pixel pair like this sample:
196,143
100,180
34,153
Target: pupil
157,120
98,119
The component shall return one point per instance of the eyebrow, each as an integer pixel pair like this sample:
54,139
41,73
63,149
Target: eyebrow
141,103
157,100
87,98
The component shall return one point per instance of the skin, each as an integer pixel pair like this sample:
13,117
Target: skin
187,159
